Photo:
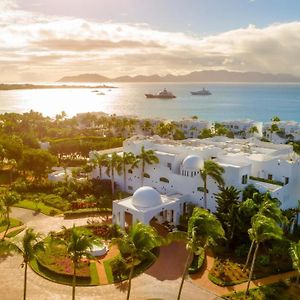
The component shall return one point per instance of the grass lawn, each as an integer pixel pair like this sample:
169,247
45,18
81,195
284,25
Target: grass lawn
14,233
94,274
286,290
13,223
45,209
109,274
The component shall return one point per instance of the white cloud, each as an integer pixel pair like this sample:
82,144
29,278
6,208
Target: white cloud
32,43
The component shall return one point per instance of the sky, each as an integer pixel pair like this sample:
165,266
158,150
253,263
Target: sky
43,40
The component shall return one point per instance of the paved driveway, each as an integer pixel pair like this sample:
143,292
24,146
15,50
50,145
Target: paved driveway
161,281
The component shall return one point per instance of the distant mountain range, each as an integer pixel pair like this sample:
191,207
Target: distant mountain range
198,76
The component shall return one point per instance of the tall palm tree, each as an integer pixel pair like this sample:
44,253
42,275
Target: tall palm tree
270,208
9,199
203,230
263,229
295,256
146,157
128,158
136,245
113,164
28,247
213,170
99,161
79,242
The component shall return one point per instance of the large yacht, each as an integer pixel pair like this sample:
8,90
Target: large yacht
161,95
203,92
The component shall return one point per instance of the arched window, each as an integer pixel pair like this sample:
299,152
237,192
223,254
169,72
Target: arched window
130,171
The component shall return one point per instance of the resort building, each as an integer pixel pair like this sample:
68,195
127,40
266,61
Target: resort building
192,127
145,205
282,132
269,167
242,128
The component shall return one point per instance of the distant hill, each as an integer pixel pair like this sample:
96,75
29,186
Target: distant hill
198,76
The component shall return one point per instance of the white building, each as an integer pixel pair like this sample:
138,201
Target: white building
192,127
240,128
244,161
288,131
147,204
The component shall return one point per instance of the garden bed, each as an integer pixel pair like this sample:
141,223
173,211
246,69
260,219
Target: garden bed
39,207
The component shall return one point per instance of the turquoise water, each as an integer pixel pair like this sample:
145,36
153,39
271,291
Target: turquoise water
228,101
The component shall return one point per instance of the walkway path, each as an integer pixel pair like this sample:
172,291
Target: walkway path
113,252
201,279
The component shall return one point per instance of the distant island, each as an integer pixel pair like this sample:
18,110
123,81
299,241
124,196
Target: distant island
7,87
198,76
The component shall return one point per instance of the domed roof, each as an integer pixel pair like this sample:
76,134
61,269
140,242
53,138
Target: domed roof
192,162
146,196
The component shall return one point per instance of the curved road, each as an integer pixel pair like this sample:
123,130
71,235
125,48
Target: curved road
161,281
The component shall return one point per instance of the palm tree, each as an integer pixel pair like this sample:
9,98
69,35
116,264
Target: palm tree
99,161
128,158
146,157
203,230
253,130
270,208
263,229
227,209
9,199
136,245
113,163
28,247
213,170
295,256
79,242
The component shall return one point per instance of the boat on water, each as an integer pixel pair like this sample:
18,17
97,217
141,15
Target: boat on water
95,91
162,95
203,92
100,94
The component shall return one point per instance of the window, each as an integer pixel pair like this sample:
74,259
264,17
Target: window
286,180
244,179
164,179
201,189
270,176
129,188
130,171
169,165
146,175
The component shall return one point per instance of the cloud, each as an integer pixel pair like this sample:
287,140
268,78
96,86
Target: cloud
91,44
31,43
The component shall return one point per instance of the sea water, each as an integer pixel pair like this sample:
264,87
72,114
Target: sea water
227,102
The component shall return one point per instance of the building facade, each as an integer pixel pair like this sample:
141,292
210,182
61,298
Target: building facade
269,167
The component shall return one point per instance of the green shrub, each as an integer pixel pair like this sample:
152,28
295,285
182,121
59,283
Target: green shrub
197,263
263,260
241,251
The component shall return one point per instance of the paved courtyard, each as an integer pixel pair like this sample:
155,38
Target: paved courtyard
160,282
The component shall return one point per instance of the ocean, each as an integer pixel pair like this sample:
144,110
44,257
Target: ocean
227,102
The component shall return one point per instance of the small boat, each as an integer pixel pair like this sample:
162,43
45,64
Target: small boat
100,94
203,92
161,95
95,91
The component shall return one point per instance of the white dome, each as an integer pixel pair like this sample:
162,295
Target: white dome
192,162
146,196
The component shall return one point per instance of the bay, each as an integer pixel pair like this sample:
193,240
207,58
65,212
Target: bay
227,102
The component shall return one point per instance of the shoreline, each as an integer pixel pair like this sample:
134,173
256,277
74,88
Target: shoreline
27,86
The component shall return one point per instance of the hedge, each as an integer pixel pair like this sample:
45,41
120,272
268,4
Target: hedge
197,263
267,180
